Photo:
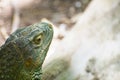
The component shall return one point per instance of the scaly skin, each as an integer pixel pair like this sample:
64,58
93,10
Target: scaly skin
22,55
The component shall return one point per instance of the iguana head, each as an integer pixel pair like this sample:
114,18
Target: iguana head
32,43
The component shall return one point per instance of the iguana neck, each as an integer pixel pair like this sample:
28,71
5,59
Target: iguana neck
30,75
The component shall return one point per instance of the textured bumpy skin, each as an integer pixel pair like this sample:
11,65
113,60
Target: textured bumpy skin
22,55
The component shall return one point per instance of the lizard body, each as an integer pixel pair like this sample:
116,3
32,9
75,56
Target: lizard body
22,55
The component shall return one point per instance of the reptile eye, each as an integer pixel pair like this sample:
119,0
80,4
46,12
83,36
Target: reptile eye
37,39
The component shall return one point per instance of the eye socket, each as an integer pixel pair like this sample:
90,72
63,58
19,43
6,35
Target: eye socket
37,39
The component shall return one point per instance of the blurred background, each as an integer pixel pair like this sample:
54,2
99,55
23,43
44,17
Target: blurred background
21,13
86,42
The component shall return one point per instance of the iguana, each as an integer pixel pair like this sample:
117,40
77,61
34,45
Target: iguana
22,55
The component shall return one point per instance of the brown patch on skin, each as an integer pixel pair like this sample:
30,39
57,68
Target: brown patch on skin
28,62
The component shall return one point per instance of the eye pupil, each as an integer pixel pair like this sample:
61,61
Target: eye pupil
37,40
